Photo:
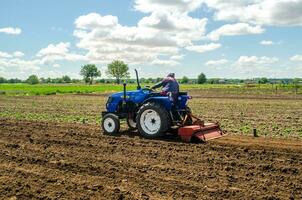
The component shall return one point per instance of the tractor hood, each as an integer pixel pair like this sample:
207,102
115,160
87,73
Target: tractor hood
136,96
130,93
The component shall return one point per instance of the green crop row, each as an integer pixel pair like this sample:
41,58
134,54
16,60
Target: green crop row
49,89
52,89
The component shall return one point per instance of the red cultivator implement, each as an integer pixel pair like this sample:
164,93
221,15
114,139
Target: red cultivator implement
199,131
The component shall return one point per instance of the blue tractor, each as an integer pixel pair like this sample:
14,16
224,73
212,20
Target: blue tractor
152,114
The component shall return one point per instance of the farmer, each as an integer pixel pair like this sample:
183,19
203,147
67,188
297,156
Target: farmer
169,86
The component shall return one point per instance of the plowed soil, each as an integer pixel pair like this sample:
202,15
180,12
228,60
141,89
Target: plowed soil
52,160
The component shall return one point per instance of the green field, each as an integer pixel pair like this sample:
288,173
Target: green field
52,89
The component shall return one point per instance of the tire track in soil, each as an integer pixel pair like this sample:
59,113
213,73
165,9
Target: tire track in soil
52,160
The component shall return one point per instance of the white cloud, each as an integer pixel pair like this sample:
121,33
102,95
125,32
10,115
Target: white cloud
181,27
165,62
177,57
11,30
12,65
5,55
163,33
93,20
216,62
249,67
55,50
18,54
60,51
204,48
296,58
56,65
20,64
267,42
234,29
8,55
265,12
250,61
179,6
173,22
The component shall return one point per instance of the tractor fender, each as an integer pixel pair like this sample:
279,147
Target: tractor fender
165,101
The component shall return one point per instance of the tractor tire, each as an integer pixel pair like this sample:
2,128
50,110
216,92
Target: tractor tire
131,123
110,124
152,120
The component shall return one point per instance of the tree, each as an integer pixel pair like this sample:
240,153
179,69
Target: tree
89,72
296,80
118,69
150,80
14,80
142,80
66,79
262,80
201,79
42,80
48,80
185,79
102,80
213,81
32,79
75,81
57,80
2,80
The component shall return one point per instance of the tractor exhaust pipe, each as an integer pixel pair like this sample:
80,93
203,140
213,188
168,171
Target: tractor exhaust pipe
137,80
124,91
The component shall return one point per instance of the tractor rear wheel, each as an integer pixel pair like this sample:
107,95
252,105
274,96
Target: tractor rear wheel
110,124
152,120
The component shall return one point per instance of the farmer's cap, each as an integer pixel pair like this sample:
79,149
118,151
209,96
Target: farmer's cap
172,75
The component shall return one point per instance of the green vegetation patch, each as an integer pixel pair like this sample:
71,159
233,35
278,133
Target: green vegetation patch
50,89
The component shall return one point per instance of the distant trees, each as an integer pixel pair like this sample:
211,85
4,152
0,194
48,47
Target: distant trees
118,69
201,79
66,79
14,80
49,80
262,80
185,80
32,79
150,80
2,80
158,79
89,72
63,79
213,81
297,80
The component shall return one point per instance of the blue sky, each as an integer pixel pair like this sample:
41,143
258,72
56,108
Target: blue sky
227,39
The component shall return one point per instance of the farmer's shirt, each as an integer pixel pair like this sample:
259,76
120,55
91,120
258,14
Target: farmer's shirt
169,84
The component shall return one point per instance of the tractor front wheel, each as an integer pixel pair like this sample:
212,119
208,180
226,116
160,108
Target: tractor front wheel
110,124
152,120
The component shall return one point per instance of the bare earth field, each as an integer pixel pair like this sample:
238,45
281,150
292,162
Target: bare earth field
51,147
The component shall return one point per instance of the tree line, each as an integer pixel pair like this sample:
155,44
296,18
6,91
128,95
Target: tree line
118,71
